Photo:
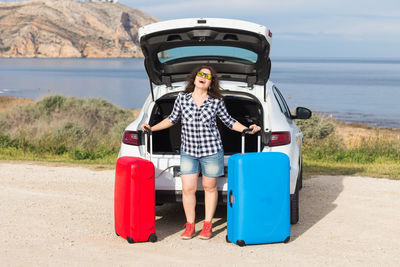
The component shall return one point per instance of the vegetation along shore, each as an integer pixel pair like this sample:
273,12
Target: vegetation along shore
77,131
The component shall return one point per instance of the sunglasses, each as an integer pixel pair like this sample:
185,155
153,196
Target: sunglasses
206,75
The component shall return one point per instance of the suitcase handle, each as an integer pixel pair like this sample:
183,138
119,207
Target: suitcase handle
231,198
147,129
258,139
148,132
246,131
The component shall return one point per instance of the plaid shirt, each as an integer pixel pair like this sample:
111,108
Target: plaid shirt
200,136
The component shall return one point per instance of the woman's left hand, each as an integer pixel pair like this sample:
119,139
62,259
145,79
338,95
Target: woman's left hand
255,128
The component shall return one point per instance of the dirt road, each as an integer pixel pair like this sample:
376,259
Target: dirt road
63,216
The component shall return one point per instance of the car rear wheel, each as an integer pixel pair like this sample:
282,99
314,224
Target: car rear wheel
300,179
294,207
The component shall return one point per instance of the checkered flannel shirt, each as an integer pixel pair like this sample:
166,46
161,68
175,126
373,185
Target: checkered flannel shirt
200,136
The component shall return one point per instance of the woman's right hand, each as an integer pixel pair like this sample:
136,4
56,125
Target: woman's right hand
145,125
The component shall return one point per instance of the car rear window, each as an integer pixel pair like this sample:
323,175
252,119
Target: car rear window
227,53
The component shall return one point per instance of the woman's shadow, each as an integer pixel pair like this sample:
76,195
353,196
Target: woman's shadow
317,199
170,218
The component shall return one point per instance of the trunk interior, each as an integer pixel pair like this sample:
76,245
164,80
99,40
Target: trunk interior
242,106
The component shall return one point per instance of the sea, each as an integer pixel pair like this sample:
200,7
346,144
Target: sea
349,89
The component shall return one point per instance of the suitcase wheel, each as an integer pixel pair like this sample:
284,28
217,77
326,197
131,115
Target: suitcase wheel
287,240
227,240
152,238
240,243
116,233
130,240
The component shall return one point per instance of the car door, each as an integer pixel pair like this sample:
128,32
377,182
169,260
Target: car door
296,134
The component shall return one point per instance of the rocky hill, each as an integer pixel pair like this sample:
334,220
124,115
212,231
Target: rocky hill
67,28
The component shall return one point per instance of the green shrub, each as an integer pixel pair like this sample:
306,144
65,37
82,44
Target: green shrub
368,151
83,154
57,125
80,154
6,141
321,143
50,104
316,128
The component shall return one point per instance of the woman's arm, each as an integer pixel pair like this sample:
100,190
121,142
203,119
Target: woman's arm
164,124
237,126
231,122
170,120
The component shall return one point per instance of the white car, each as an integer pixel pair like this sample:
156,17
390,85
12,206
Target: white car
239,52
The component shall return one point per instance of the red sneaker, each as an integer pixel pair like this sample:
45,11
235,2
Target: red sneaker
189,231
206,233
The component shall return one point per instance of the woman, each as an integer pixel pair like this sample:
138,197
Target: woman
201,148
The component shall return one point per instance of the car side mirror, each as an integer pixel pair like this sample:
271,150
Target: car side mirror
302,113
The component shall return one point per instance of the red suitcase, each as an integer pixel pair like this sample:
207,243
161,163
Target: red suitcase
134,200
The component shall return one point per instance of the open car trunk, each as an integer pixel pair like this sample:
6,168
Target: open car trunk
242,106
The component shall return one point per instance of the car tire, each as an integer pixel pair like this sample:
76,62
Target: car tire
294,207
300,179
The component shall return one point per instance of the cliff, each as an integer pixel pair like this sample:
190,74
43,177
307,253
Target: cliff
67,28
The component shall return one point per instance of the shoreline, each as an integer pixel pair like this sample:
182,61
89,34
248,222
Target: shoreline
11,101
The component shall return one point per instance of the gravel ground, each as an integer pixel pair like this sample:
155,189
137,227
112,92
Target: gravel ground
63,216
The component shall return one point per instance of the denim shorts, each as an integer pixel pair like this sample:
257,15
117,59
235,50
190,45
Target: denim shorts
210,166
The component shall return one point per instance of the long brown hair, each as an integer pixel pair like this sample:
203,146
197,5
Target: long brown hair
213,91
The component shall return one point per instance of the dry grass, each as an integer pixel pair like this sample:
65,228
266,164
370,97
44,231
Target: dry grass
354,134
353,149
136,112
57,125
8,102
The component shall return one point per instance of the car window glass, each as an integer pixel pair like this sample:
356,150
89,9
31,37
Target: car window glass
226,52
282,103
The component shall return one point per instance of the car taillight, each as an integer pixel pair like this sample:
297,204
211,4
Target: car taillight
131,138
279,138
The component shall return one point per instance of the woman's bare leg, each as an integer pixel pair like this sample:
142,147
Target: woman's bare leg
210,197
189,187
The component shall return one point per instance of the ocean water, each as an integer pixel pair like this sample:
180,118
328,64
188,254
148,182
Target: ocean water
353,90
122,82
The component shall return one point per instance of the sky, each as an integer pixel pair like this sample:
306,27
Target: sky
302,28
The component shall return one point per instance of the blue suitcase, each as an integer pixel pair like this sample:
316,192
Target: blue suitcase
258,209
